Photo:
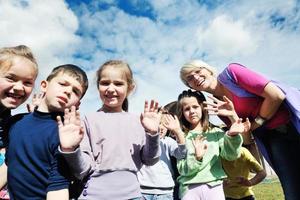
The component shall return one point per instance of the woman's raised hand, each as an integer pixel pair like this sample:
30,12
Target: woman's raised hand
70,130
221,108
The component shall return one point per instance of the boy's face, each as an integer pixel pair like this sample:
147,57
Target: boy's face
16,83
162,129
63,91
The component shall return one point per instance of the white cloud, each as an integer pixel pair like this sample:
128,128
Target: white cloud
225,37
156,49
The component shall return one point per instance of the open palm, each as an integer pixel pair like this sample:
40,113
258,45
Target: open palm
70,131
150,118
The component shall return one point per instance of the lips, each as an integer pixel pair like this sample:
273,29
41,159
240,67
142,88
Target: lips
200,81
14,96
62,99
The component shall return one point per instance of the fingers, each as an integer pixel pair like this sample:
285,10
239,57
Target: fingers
59,122
146,109
152,108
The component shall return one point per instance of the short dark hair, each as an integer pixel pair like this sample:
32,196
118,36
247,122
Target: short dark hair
74,71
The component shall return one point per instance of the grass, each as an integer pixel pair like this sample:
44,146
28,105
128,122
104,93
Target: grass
269,189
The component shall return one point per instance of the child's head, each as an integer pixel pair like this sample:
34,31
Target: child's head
115,82
18,71
190,110
63,88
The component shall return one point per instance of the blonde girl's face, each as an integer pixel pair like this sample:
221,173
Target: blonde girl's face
200,79
191,110
113,89
17,82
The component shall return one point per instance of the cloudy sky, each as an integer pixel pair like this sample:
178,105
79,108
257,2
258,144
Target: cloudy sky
156,37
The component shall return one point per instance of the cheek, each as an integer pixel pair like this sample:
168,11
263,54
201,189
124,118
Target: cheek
28,90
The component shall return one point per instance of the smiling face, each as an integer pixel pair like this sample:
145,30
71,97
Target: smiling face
200,79
191,111
16,82
113,88
62,91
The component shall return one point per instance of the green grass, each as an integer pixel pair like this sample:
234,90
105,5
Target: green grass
269,189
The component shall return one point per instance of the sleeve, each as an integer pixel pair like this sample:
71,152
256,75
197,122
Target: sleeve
81,161
248,79
252,162
230,146
59,175
189,166
151,150
177,150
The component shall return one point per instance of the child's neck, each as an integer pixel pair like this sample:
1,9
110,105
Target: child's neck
197,127
107,109
2,109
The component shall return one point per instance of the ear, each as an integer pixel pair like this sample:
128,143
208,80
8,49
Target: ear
131,88
44,86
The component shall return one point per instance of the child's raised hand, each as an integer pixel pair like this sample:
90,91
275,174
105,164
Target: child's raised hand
35,102
236,128
171,122
70,131
150,118
222,108
200,146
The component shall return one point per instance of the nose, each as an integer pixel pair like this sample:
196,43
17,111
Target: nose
18,86
68,91
110,88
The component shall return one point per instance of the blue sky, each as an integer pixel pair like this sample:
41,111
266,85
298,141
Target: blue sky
156,37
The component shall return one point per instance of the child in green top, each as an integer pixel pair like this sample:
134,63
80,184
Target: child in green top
201,172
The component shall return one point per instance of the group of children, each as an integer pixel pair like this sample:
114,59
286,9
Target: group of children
54,153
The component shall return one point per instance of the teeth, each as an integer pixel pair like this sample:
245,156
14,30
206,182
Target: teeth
14,96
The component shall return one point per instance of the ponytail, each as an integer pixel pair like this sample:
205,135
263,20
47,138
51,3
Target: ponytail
125,105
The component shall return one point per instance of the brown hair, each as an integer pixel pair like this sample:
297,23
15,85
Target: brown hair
73,71
7,54
125,68
200,98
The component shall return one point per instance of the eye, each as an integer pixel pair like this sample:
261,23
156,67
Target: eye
76,92
28,83
119,83
104,83
9,78
62,83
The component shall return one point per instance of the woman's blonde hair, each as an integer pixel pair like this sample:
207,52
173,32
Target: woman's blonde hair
194,65
7,55
127,72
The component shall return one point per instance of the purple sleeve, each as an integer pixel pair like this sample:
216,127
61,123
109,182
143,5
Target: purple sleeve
248,79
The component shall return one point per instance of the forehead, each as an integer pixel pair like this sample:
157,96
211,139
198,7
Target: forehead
113,73
21,67
61,76
188,101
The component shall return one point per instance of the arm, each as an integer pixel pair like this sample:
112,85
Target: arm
260,86
231,142
70,136
254,166
3,175
190,165
273,98
178,150
150,121
58,194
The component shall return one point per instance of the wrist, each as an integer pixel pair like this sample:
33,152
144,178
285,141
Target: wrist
259,120
68,149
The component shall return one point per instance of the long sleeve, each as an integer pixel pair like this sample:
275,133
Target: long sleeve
151,150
